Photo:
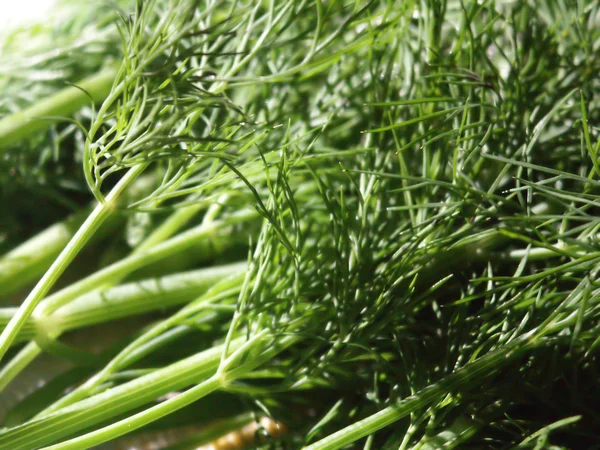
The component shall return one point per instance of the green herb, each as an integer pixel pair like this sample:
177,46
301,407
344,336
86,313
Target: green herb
377,220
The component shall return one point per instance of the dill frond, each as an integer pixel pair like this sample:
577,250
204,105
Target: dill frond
414,187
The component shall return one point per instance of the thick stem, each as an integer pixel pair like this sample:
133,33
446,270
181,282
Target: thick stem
126,300
117,271
115,401
28,261
85,232
199,391
141,297
140,419
171,225
143,345
137,260
69,100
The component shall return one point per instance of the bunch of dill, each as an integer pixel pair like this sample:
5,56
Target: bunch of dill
371,222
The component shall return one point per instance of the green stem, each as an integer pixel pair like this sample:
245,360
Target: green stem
17,364
29,329
28,261
141,297
170,226
137,260
145,344
462,379
85,232
126,300
167,407
113,402
117,271
142,418
67,101
201,368
541,253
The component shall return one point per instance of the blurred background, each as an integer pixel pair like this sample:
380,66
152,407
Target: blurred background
13,13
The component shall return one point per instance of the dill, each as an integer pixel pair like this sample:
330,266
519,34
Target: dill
372,222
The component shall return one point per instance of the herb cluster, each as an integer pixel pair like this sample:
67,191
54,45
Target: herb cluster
373,222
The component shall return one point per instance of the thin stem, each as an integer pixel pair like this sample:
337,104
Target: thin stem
28,261
141,259
89,227
138,348
17,364
460,379
154,413
115,401
142,418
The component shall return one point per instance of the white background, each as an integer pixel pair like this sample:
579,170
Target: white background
13,12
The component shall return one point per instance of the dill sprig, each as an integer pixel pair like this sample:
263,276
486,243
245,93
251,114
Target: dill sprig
51,74
417,186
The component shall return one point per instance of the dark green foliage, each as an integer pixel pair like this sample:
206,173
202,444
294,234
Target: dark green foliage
424,255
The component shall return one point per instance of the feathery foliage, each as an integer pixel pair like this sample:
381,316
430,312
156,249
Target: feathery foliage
376,219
